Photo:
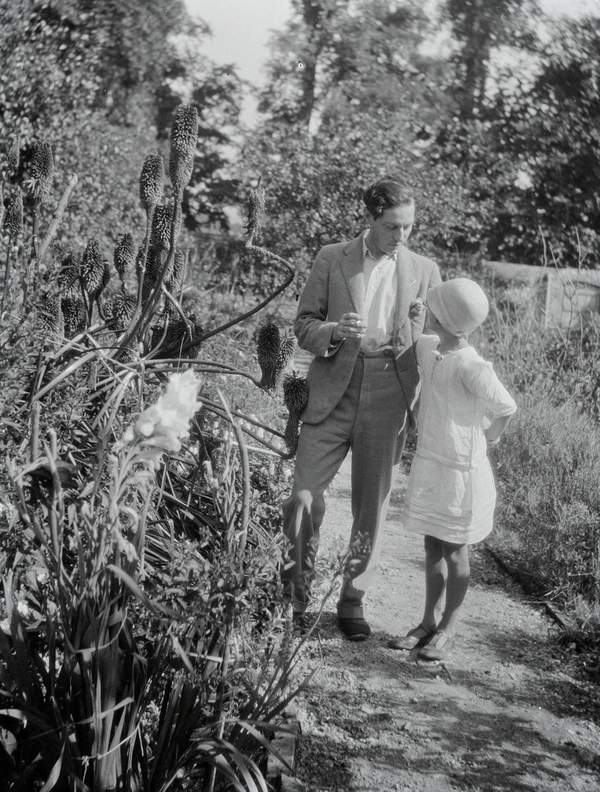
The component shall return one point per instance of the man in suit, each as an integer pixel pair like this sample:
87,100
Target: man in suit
359,315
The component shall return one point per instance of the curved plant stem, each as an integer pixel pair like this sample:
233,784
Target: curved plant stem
141,274
263,303
33,266
245,508
246,419
6,272
137,327
34,442
220,411
211,367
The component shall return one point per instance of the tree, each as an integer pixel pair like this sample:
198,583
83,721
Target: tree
553,130
63,59
374,104
479,27
346,55
86,76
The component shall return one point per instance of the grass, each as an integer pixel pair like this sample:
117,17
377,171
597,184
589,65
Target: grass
548,462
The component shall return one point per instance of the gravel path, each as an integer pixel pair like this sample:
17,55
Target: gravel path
503,713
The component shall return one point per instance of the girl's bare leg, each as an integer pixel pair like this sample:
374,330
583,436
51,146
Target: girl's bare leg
435,580
457,560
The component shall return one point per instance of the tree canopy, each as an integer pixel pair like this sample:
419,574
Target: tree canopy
496,129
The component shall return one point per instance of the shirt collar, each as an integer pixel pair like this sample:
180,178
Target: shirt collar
367,253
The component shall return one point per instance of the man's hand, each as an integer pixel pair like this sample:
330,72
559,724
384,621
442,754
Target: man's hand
350,325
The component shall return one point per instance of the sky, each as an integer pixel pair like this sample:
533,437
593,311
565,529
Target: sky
241,30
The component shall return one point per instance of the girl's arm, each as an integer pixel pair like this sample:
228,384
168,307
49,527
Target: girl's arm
495,429
481,379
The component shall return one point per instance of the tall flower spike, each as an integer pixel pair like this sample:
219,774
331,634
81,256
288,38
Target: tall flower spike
68,276
286,352
50,318
124,255
160,236
256,210
180,171
122,307
13,157
151,181
73,311
13,217
175,282
295,397
267,349
184,130
93,276
184,138
42,169
154,263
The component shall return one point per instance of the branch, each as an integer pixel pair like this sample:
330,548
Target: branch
262,304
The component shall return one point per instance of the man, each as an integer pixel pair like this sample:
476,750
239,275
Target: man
359,315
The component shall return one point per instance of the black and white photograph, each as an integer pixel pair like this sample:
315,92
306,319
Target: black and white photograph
299,395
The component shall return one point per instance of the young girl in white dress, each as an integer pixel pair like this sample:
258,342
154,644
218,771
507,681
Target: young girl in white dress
463,409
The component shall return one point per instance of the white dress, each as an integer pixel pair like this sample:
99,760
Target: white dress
451,493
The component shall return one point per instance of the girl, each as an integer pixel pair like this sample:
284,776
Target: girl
463,409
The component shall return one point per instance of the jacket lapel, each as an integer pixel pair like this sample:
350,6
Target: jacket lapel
352,269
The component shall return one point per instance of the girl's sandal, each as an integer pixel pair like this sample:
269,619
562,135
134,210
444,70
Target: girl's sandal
413,639
437,648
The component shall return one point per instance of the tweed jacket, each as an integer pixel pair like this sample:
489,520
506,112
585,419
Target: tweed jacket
334,287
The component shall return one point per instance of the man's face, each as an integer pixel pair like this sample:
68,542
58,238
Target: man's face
392,229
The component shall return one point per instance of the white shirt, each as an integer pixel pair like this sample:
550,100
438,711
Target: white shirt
379,305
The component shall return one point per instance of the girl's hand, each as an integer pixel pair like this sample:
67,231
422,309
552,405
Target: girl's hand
417,308
495,429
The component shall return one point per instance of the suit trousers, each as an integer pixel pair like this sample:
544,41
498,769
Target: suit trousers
369,420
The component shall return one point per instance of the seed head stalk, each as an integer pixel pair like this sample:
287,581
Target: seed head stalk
138,326
42,170
184,138
13,224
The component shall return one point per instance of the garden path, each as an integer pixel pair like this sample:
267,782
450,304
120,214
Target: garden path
505,712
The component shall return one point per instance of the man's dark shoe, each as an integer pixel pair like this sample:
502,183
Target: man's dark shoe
354,629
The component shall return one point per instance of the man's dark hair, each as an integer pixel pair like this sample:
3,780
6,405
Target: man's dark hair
386,194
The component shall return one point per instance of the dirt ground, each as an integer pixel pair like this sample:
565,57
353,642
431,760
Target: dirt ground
505,712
